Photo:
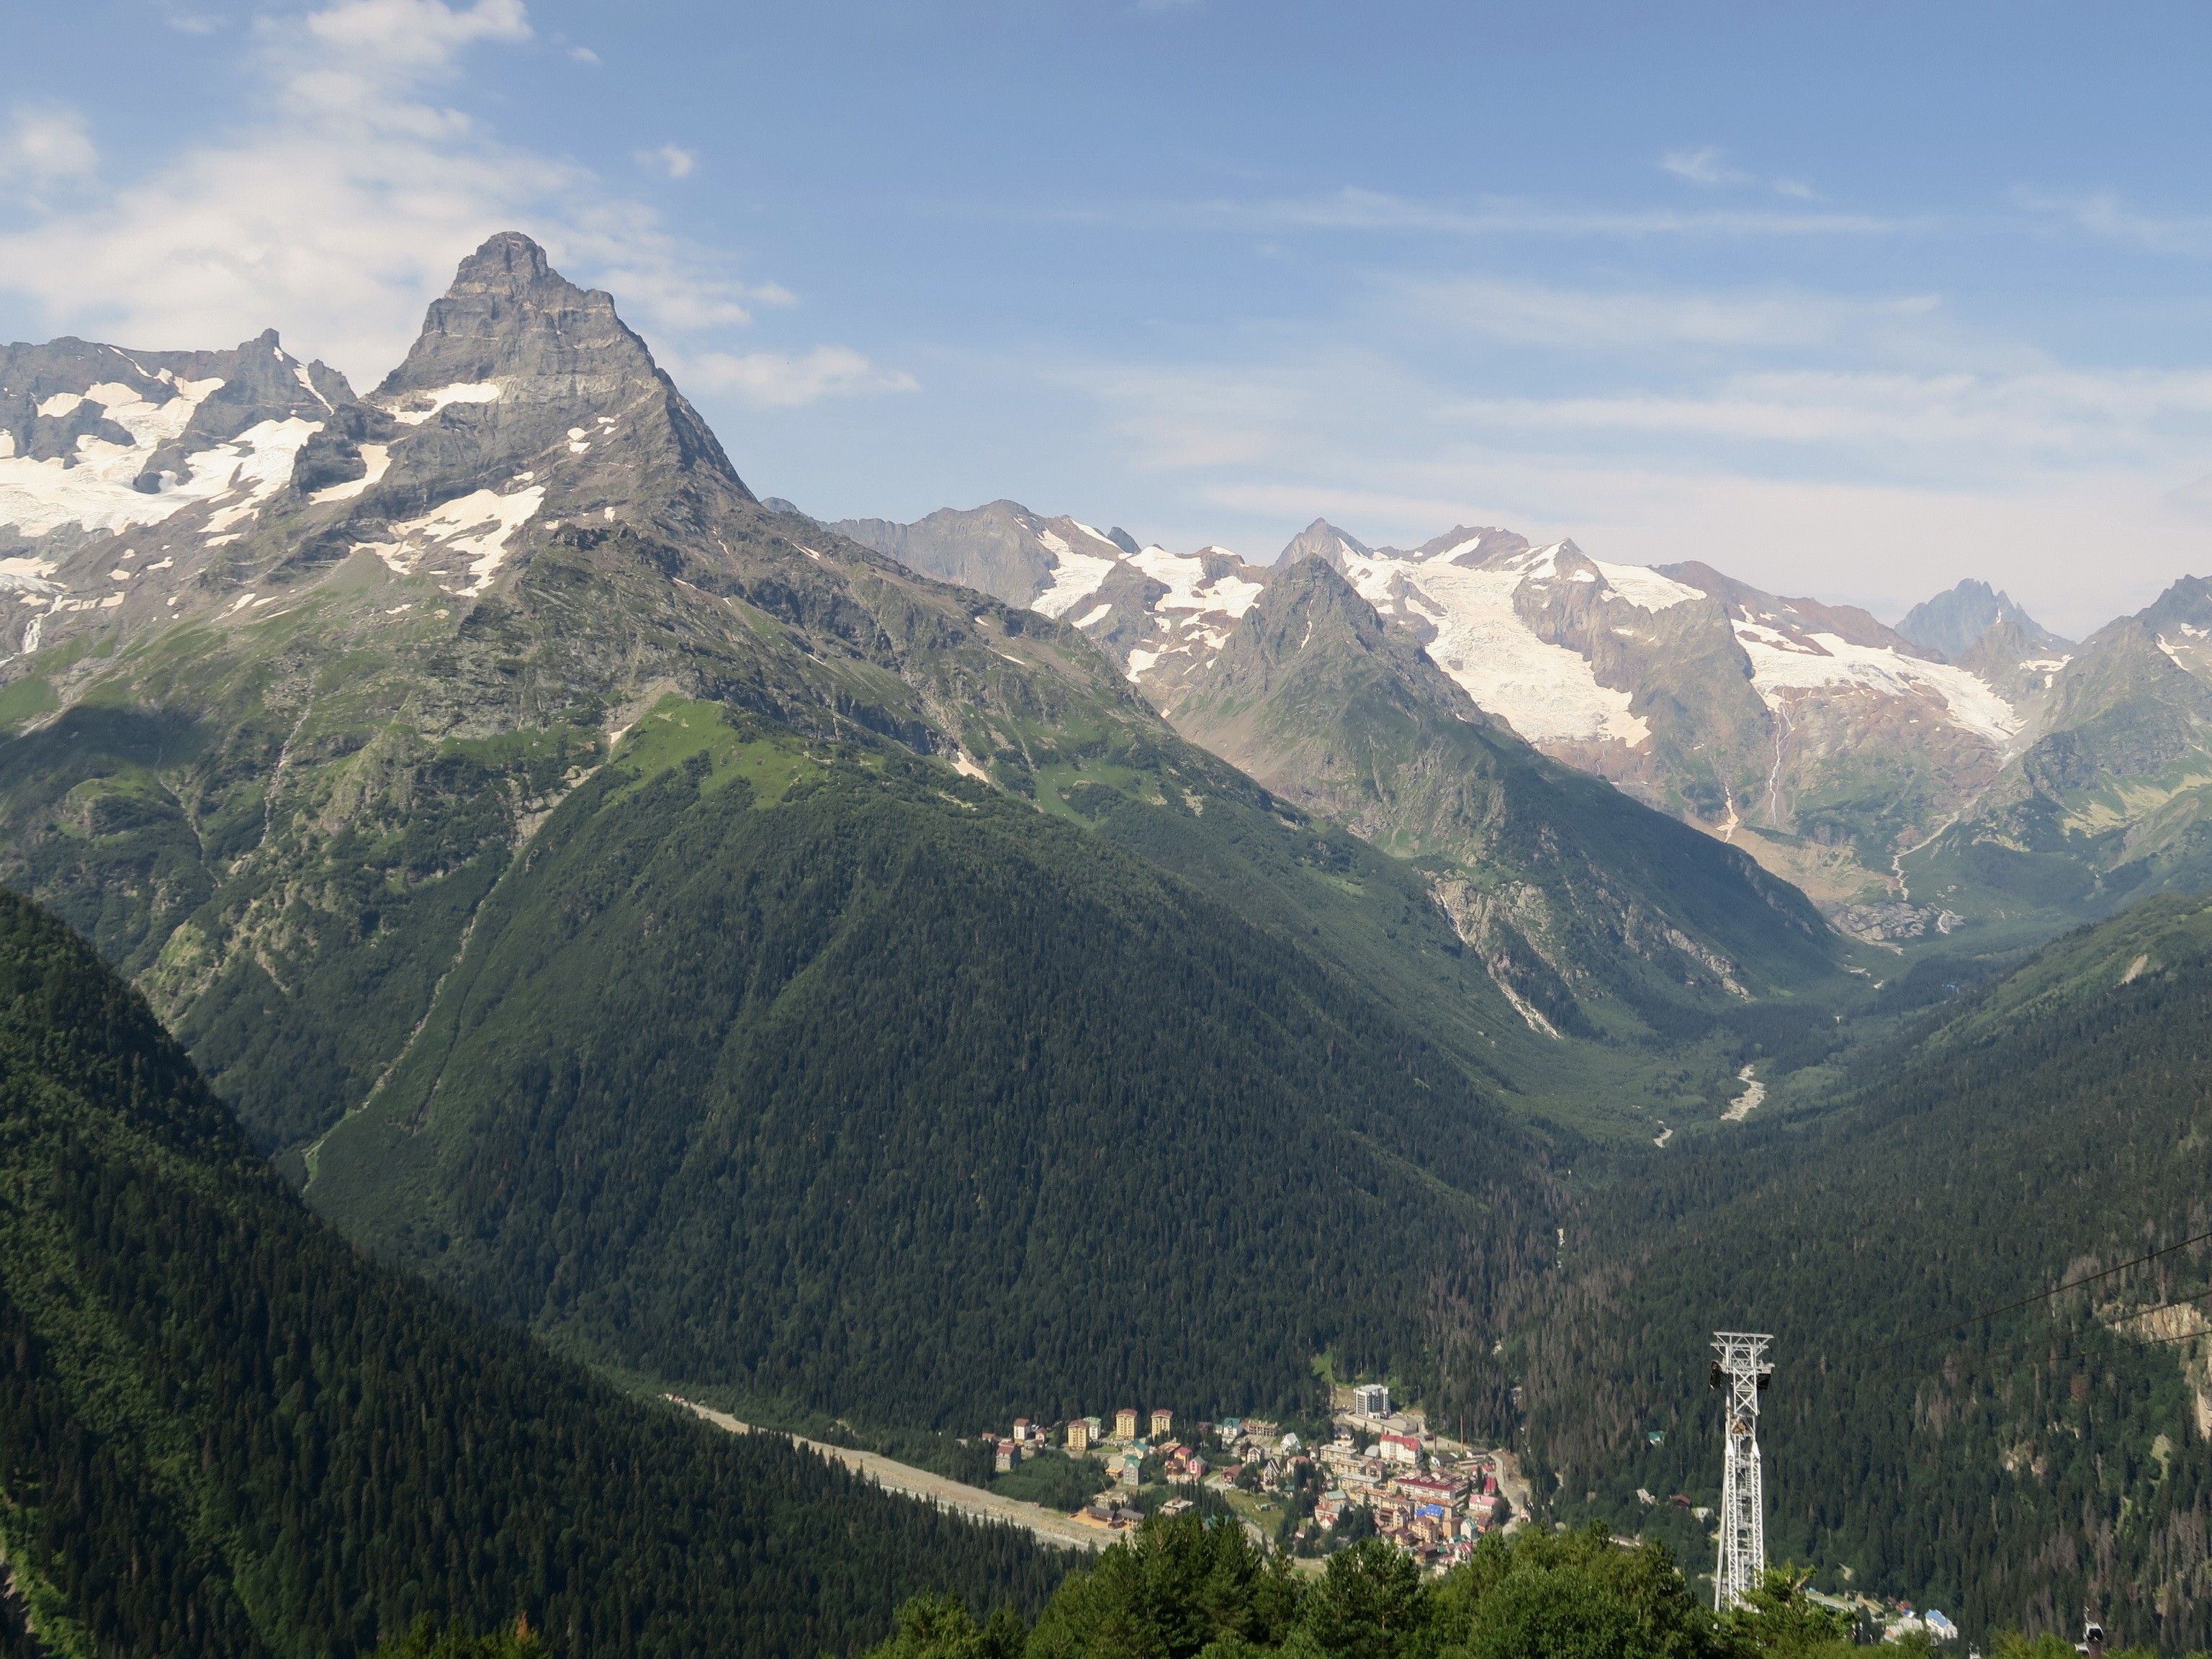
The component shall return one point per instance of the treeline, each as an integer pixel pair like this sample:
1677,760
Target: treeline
925,1108
1189,1589
223,1431
2032,1467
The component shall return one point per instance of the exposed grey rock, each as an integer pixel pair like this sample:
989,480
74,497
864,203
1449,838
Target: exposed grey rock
1952,622
1320,540
1001,548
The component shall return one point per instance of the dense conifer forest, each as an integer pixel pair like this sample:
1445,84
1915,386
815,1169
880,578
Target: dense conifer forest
828,1075
2051,1459
223,1431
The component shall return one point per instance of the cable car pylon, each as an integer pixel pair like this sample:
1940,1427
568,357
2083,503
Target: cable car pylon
1743,1369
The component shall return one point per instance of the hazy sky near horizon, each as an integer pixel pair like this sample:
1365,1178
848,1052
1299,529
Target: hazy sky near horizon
1851,300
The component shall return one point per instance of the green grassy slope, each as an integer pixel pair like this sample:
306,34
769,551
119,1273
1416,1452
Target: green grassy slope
2053,1124
221,1432
828,1073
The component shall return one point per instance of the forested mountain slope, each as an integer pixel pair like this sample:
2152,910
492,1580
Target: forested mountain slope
224,1432
839,1077
2053,1459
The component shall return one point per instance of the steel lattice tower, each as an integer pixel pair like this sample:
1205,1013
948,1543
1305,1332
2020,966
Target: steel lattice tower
1742,1371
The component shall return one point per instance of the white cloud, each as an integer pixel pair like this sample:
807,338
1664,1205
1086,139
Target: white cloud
1530,313
417,34
676,162
778,381
45,146
339,206
1937,454
583,55
1355,209
1706,164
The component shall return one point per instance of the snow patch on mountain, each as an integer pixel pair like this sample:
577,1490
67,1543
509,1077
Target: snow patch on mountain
376,459
416,407
475,528
1192,593
1782,662
1075,577
1546,692
96,486
1641,586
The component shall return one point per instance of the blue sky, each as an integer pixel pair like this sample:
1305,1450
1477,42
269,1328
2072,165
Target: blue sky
1846,300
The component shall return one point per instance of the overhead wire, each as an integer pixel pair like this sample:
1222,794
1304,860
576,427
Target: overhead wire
1959,1323
1983,1364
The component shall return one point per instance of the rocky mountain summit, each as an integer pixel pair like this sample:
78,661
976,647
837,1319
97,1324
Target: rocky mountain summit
1954,622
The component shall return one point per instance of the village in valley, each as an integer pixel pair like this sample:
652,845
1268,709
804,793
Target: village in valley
1379,1473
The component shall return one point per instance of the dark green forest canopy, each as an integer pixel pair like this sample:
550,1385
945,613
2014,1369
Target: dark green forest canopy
1186,1590
2012,1470
222,1432
823,1073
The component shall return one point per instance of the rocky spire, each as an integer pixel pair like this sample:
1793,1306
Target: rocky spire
515,362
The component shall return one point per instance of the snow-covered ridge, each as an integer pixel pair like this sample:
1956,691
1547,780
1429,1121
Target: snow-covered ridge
95,487
1546,692
1781,662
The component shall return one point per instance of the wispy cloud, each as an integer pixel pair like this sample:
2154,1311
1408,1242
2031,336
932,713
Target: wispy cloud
1706,164
2103,215
671,159
1586,319
45,146
777,380
1356,209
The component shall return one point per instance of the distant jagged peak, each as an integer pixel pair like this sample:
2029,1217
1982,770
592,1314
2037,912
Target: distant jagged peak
1950,623
1321,540
1798,620
1473,546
